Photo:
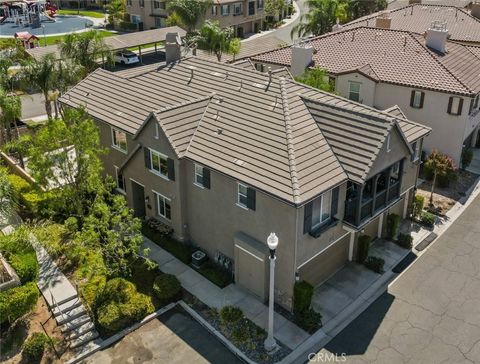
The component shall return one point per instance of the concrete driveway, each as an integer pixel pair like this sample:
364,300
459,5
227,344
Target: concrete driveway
431,313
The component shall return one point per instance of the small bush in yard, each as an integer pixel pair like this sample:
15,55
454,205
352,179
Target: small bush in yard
119,305
230,314
34,346
364,242
428,219
71,224
467,157
18,301
405,240
25,265
167,287
393,223
302,296
375,264
418,205
309,320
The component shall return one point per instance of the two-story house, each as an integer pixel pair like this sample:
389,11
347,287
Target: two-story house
225,155
245,16
430,78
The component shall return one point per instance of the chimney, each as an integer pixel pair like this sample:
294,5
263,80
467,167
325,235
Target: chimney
475,10
302,56
384,21
337,27
172,47
437,36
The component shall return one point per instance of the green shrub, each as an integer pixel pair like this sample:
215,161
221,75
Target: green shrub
428,219
119,305
19,184
34,346
405,241
33,199
216,274
309,320
230,315
467,157
364,242
71,224
443,181
18,301
418,205
167,288
302,296
179,250
241,332
25,265
124,25
374,263
393,223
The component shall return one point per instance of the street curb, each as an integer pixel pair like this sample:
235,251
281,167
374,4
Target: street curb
113,339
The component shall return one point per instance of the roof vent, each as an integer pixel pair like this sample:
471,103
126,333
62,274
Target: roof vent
437,36
219,131
239,162
384,21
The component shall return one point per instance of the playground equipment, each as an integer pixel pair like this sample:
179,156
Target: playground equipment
27,13
28,40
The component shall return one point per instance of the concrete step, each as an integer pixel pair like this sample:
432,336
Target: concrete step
83,339
66,307
81,330
70,315
77,322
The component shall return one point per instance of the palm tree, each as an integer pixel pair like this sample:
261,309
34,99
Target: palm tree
116,11
85,49
321,17
216,40
189,12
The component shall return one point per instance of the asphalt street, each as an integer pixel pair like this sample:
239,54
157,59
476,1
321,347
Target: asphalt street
430,314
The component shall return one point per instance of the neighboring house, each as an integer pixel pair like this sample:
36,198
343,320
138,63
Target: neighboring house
395,4
432,80
245,16
463,26
225,155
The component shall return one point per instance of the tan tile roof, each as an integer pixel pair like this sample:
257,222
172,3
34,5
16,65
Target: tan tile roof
230,119
417,18
391,56
395,4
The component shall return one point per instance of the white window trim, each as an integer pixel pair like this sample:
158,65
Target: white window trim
158,195
157,132
388,142
155,172
195,176
416,144
121,190
350,83
320,223
239,204
113,140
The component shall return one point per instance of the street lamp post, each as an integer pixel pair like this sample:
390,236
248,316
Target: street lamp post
44,37
270,343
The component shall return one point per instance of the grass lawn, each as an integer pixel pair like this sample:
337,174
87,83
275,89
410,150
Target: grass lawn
89,13
54,39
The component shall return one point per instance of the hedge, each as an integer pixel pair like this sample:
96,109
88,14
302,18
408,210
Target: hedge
309,320
166,287
18,301
364,242
405,240
418,205
33,199
302,296
374,263
428,219
119,305
25,265
393,223
34,346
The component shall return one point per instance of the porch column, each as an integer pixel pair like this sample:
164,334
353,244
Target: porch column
388,184
359,207
380,225
405,205
350,246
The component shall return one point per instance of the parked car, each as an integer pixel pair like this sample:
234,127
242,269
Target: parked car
126,57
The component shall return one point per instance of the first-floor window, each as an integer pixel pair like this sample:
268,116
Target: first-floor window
321,209
159,23
354,91
120,180
163,206
225,10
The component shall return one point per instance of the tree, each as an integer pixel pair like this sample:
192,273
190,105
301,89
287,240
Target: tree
10,112
85,49
7,195
273,8
189,12
216,40
440,165
321,17
64,154
316,77
116,11
359,8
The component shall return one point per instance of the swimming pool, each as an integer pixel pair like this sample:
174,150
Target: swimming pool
62,24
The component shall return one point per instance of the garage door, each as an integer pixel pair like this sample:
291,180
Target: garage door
327,263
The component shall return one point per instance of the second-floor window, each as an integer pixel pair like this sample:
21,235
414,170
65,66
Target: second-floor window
319,211
202,176
142,3
159,164
119,140
129,3
259,4
246,197
225,10
416,99
159,4
455,105
214,10
251,8
354,91
237,9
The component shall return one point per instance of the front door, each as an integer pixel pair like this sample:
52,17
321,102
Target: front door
138,197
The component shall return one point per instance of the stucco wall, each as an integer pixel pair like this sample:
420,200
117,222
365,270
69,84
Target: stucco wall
367,87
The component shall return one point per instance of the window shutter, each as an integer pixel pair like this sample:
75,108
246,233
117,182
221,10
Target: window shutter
422,98
206,178
171,169
460,106
334,201
146,153
450,101
251,198
307,218
412,98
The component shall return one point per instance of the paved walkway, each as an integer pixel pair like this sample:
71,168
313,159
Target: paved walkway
210,294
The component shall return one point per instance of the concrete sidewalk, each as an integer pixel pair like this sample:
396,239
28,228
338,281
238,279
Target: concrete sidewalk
210,294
